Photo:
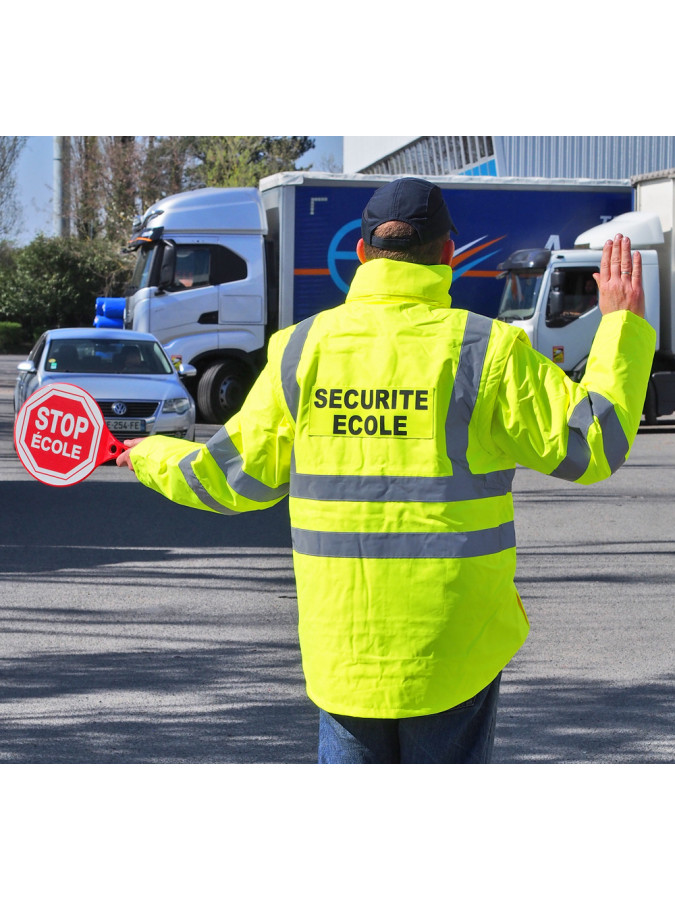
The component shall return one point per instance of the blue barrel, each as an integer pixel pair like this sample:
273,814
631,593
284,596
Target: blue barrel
109,312
113,307
105,322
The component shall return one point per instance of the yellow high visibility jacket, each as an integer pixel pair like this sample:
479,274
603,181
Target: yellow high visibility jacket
394,423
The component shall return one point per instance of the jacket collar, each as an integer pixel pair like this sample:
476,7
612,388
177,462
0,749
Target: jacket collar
381,280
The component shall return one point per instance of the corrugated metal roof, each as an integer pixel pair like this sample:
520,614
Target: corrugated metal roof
534,156
569,156
435,156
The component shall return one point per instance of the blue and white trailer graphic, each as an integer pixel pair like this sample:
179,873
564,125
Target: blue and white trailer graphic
319,220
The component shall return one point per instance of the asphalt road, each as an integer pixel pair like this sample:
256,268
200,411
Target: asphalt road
137,631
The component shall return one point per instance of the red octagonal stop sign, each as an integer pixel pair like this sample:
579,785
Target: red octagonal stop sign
60,435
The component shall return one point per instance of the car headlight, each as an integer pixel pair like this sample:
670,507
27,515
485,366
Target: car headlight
178,405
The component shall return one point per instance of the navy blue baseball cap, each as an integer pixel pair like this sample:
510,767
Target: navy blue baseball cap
411,200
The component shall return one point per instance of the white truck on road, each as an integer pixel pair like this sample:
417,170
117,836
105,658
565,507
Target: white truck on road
552,296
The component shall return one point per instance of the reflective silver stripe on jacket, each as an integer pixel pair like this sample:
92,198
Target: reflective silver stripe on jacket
615,442
460,410
461,485
289,364
401,488
405,545
185,465
466,386
230,463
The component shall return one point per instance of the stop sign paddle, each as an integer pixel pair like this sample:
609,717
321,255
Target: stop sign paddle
60,435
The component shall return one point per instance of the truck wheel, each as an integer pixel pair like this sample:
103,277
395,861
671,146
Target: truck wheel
649,410
221,391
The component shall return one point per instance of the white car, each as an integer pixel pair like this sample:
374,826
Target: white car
128,373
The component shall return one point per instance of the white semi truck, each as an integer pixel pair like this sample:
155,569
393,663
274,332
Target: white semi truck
219,269
552,296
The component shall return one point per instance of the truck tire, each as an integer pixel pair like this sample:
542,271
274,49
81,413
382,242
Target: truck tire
649,410
222,390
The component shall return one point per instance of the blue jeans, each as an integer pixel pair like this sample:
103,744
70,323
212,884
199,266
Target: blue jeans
463,734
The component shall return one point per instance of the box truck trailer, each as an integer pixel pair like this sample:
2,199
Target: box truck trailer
219,269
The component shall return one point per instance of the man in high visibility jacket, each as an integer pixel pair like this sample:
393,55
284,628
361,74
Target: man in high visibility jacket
394,423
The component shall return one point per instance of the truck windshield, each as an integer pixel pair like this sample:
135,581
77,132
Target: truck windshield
143,268
519,296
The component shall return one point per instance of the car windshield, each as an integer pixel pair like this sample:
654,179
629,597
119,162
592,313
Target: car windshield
89,356
519,296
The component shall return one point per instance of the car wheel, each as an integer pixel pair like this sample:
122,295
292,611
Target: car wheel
222,390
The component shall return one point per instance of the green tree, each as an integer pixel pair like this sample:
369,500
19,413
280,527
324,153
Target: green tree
243,161
54,282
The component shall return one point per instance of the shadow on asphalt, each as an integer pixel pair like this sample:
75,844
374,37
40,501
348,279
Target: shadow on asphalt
166,725
126,514
224,701
581,720
543,720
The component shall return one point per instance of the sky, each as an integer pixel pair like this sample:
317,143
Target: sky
35,180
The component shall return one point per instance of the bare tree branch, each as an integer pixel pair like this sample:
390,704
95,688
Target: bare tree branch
113,179
10,211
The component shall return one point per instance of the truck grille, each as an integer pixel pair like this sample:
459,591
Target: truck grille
136,409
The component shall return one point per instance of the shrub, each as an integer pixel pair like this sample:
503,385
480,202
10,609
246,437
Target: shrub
11,337
54,282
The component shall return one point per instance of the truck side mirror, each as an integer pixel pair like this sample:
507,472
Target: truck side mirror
556,294
555,302
168,269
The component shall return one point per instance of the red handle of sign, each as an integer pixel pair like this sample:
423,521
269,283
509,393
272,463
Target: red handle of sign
60,435
109,448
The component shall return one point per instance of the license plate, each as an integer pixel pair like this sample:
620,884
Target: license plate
125,424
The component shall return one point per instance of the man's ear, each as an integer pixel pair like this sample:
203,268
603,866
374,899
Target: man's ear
360,251
447,253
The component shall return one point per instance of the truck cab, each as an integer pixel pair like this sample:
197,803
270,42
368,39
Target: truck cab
553,297
199,285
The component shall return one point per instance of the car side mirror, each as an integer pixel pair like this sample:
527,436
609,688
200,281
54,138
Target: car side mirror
185,370
27,367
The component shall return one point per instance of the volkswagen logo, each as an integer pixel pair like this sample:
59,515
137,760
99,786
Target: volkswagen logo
119,408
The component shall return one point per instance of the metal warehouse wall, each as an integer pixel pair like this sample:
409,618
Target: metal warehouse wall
429,156
583,157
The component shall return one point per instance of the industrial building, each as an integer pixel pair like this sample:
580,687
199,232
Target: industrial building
557,156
